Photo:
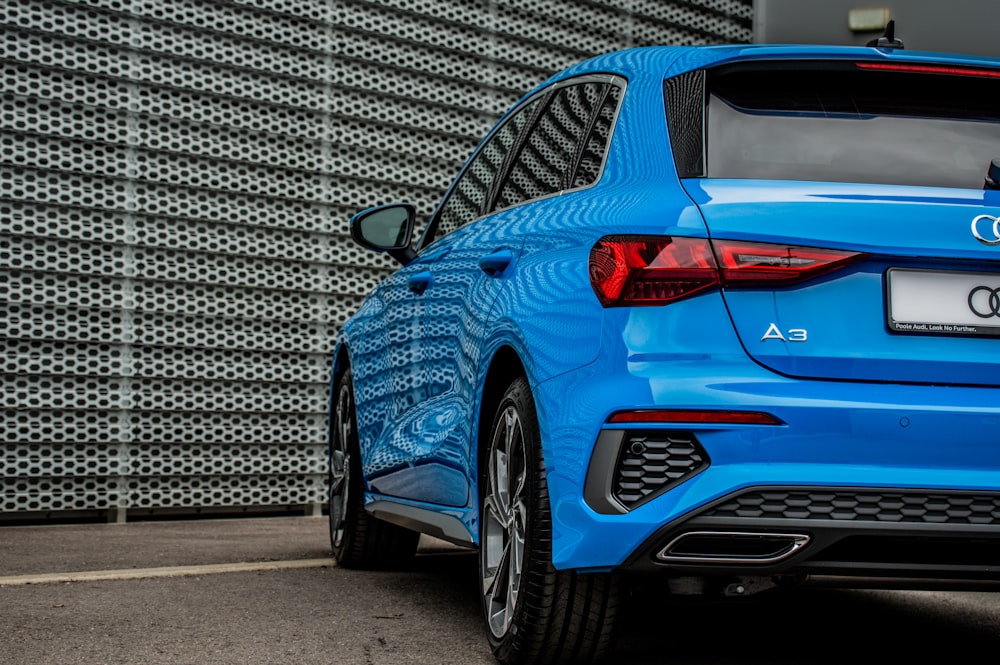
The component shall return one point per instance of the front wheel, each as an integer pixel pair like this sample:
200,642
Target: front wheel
358,539
534,613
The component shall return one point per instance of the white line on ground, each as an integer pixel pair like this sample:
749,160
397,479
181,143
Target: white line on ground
173,571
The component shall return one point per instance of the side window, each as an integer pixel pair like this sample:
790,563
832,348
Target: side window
566,146
569,130
595,148
468,197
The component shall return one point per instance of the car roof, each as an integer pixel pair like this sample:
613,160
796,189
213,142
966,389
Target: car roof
667,61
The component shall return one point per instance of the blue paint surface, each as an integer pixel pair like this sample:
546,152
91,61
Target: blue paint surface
420,360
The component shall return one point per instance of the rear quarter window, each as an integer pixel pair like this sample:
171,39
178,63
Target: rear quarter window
566,146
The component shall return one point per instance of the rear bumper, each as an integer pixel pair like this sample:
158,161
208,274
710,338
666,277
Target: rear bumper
854,441
837,531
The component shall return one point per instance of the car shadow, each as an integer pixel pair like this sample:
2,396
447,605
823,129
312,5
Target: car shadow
803,626
809,626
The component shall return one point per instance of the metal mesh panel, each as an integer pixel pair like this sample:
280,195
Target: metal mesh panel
175,180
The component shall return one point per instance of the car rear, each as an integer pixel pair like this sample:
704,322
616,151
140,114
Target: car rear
840,413
886,161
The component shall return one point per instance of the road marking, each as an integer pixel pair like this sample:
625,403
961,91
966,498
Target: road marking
173,571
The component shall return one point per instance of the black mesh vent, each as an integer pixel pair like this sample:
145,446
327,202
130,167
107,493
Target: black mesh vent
685,101
652,462
864,506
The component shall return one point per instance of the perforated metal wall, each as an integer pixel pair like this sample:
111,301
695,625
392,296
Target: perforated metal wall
175,181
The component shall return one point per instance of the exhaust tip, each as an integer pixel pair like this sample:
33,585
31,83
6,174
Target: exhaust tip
732,547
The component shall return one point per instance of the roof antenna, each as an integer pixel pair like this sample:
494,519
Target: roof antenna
888,39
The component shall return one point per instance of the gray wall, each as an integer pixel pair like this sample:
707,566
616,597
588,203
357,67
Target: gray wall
175,183
954,26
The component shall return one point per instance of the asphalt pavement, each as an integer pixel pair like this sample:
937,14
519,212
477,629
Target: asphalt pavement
69,548
227,591
259,591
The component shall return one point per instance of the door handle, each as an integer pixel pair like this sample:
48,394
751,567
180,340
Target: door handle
496,262
419,282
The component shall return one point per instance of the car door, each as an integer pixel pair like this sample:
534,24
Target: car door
418,454
554,144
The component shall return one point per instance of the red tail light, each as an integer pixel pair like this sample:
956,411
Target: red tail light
657,270
750,263
643,270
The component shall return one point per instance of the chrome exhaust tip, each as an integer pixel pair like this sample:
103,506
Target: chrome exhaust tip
732,547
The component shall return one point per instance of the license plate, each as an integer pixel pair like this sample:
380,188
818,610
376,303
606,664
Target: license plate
931,302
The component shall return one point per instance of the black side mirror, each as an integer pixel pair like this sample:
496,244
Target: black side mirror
386,228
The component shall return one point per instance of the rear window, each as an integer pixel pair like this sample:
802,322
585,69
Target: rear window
853,122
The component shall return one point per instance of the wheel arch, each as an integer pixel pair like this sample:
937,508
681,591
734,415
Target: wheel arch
341,361
338,366
505,366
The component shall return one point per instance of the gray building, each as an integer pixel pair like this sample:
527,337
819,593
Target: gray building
952,26
175,183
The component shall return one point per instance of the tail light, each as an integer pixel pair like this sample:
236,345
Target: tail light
642,270
657,270
753,263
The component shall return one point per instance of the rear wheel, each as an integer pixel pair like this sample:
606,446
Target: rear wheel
534,613
358,539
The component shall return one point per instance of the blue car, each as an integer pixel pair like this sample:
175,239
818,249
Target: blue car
729,315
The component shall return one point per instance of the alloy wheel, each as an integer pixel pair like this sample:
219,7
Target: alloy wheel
505,516
340,465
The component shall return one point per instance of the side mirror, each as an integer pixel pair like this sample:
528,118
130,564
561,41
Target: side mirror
386,228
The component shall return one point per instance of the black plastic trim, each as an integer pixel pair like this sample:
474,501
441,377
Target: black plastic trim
843,547
609,459
684,98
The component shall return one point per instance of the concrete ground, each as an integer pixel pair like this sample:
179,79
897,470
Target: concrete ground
227,591
66,548
258,591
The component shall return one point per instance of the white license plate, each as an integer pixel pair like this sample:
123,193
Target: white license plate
943,303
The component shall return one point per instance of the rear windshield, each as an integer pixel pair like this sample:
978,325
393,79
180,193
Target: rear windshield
853,122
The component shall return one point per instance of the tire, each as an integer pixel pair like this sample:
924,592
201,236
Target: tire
358,539
534,613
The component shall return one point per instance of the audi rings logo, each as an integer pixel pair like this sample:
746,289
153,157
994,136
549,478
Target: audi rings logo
991,225
984,301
